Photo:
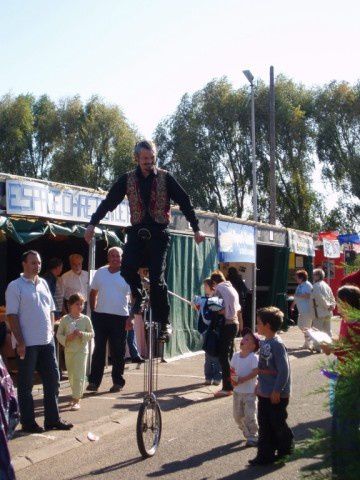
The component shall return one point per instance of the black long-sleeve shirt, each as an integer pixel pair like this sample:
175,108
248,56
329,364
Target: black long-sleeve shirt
118,191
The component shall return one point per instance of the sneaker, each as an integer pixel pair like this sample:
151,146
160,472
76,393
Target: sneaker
59,425
207,382
223,393
32,428
251,443
216,382
138,360
165,333
75,406
92,387
116,388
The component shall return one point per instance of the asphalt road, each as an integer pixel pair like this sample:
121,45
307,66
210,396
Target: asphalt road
199,440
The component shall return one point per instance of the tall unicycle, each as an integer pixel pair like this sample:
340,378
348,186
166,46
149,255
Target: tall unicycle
148,427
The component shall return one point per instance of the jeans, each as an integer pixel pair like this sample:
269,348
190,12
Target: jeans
212,369
131,341
152,254
226,341
274,432
41,358
108,327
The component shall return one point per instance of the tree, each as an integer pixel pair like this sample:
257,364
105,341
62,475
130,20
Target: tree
337,115
96,143
298,205
16,128
206,144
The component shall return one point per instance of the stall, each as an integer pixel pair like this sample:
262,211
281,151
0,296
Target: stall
51,218
330,257
301,256
187,266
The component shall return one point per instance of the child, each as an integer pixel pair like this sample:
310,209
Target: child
273,390
74,333
212,369
243,378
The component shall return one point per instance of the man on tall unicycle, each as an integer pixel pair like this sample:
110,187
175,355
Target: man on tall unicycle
149,190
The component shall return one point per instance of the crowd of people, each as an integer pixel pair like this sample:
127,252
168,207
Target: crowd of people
258,376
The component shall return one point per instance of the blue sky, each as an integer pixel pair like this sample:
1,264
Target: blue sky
144,55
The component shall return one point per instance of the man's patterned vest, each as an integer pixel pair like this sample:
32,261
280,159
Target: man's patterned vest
159,207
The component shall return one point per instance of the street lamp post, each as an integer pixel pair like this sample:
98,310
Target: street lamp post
250,78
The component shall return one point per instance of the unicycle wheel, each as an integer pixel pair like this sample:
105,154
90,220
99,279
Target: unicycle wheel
148,427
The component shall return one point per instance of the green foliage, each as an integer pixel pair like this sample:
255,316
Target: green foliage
206,144
72,142
345,440
297,203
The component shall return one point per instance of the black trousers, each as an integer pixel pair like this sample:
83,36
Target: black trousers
226,342
151,254
274,432
110,328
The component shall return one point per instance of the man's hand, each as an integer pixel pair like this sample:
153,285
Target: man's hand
21,349
199,236
275,397
129,324
89,233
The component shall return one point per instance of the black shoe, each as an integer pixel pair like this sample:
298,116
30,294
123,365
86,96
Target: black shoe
137,306
116,388
261,461
59,425
165,332
287,452
137,360
92,387
32,428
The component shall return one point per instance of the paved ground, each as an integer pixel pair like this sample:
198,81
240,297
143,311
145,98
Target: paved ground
199,440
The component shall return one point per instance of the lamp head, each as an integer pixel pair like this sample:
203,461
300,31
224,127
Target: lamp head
248,75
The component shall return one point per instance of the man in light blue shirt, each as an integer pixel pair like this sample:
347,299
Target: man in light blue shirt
29,309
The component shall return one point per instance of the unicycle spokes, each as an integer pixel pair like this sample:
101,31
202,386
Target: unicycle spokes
148,428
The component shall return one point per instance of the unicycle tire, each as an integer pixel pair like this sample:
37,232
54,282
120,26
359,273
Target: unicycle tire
148,428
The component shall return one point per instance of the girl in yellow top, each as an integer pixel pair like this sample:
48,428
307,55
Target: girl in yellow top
74,333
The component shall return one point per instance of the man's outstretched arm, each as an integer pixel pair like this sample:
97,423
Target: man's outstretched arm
178,194
113,198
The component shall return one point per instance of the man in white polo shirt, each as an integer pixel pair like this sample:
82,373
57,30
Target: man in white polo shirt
75,280
30,311
109,300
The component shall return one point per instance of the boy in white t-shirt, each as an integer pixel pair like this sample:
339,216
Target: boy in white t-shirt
244,366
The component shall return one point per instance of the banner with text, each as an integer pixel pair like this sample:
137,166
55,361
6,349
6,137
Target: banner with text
236,242
331,248
301,243
44,200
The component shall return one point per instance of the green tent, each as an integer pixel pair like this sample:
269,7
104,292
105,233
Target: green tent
24,231
188,265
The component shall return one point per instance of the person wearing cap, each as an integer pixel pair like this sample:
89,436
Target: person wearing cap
244,366
149,191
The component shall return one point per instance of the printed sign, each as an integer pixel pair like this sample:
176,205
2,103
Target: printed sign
331,248
44,200
236,242
301,243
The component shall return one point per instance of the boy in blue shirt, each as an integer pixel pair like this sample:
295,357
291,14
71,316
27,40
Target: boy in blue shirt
273,390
